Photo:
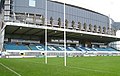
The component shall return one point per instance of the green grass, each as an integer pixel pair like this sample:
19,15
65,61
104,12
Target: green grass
76,66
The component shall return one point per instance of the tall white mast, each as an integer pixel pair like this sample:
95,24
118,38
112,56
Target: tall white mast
64,38
46,61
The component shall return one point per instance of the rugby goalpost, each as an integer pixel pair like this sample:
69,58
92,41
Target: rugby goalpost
65,58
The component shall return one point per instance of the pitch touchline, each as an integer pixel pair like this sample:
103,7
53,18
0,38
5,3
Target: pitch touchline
10,69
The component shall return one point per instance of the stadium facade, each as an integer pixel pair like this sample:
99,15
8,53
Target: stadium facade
116,44
23,24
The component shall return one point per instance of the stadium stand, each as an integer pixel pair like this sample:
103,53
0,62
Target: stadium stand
38,49
59,48
41,47
104,49
110,49
14,46
24,31
51,48
70,48
33,47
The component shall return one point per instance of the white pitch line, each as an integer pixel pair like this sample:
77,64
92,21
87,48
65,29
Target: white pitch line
86,69
10,69
79,68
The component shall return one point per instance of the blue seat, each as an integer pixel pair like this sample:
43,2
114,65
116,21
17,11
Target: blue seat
51,48
59,48
70,48
101,49
39,47
33,47
14,46
110,49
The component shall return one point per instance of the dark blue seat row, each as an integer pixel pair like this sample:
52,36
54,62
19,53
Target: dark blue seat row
13,46
41,47
105,49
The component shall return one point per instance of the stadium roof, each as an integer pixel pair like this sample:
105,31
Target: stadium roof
33,30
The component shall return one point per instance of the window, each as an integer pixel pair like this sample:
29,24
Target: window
32,3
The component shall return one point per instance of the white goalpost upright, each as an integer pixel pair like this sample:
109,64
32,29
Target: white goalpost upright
46,58
46,61
65,59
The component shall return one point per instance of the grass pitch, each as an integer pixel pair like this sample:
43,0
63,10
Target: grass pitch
76,66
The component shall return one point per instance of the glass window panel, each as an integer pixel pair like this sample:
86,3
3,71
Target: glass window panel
32,3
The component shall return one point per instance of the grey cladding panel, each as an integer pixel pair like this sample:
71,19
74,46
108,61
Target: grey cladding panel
30,10
55,10
24,3
23,6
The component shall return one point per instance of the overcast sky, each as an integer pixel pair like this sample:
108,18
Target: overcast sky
106,7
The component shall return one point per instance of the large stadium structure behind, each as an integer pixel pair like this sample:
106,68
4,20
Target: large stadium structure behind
28,26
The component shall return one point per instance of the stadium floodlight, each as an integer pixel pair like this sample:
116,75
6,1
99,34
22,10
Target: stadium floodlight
64,38
46,32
